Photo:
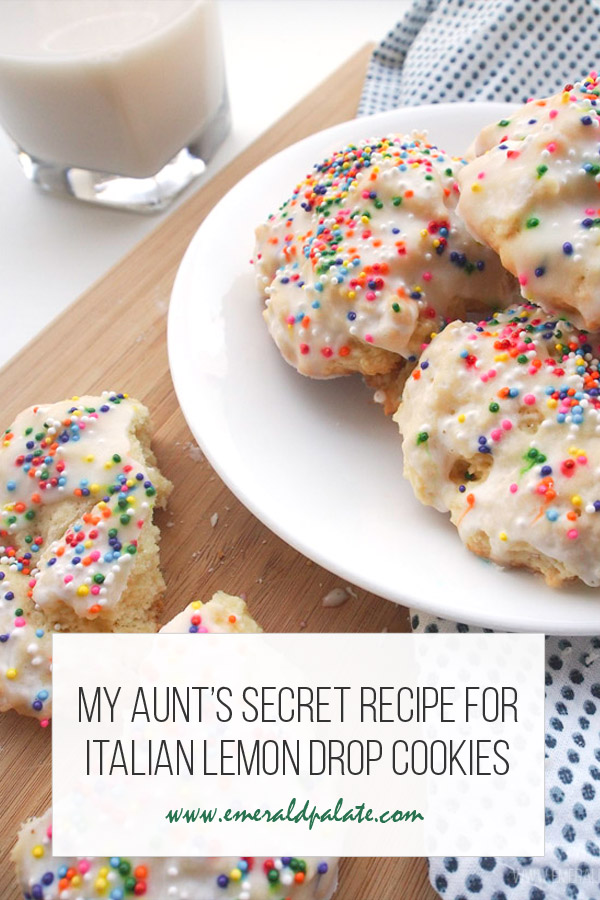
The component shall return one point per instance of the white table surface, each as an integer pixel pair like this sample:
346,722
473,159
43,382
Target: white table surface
53,248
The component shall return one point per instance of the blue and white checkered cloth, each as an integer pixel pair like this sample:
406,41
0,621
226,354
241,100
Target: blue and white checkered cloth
443,51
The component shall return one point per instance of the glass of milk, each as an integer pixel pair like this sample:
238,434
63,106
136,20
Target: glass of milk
116,102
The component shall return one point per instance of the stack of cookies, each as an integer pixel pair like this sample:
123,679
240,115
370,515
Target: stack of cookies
466,291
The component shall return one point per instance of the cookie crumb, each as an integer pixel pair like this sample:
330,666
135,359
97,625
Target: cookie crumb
338,596
193,451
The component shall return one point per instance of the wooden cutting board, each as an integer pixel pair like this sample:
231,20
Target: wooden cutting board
114,337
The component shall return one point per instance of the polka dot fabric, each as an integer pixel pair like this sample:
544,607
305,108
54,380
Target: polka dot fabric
448,50
570,868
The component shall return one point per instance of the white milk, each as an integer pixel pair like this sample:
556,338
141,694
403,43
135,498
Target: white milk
116,86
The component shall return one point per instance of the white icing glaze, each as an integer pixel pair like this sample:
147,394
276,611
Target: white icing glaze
501,427
167,878
51,451
369,256
71,569
533,196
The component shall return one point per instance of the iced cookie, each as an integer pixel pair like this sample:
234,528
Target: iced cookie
367,258
78,486
223,614
78,548
501,428
45,877
533,196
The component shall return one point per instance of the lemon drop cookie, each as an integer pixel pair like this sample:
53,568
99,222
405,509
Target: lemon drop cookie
501,428
78,547
78,486
367,258
223,614
43,876
532,194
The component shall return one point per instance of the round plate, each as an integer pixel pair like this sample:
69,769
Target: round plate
317,461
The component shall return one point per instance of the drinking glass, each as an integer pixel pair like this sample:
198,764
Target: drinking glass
116,102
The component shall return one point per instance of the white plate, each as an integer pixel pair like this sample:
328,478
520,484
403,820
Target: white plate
317,461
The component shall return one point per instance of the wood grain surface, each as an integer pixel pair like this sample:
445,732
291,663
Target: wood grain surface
114,337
